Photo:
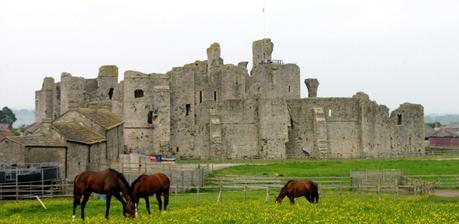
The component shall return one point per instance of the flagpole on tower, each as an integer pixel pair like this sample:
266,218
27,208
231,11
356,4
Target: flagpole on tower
264,20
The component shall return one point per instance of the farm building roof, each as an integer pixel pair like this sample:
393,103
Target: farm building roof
102,117
444,133
36,140
76,132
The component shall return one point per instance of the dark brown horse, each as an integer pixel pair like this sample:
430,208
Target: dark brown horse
109,182
147,185
299,188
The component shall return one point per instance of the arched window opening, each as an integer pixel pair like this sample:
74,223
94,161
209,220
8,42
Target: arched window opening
399,119
215,95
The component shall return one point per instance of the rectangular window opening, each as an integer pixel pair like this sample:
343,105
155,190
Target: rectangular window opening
200,96
150,117
188,109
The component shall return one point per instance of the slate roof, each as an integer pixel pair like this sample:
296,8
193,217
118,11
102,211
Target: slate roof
36,140
444,133
76,132
102,117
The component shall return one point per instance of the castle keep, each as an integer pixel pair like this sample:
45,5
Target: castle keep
212,110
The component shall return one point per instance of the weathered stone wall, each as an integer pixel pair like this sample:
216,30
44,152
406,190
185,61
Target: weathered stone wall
78,153
239,129
407,125
45,100
115,143
211,110
182,109
46,155
72,92
145,106
11,152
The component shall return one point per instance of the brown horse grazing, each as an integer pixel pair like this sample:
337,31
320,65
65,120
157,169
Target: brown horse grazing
109,182
147,185
295,188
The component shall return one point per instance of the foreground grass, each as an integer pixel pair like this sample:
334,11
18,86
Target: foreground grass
187,208
315,168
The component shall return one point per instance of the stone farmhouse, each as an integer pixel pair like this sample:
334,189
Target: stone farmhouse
211,110
76,141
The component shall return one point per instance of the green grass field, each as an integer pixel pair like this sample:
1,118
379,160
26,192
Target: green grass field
349,207
316,168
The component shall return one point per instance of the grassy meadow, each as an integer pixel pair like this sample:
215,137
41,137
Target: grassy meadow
317,168
349,207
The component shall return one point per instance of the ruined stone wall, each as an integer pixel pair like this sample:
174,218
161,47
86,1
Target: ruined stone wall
45,100
407,125
182,112
239,129
341,123
141,112
107,81
72,92
271,85
203,103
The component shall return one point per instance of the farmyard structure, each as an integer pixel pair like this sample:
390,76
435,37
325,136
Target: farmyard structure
211,110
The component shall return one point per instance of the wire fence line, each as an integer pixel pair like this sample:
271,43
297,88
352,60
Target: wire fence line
340,184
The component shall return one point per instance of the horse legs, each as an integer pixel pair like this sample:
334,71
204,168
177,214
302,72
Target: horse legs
83,203
317,197
309,197
118,196
166,199
76,202
147,202
160,202
292,200
108,198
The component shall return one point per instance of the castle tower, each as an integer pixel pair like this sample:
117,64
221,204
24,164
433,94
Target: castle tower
261,51
44,100
312,85
213,55
107,81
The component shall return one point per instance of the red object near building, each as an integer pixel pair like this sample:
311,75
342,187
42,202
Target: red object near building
444,138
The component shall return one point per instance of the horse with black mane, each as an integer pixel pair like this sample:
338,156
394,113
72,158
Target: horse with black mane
299,188
109,182
147,185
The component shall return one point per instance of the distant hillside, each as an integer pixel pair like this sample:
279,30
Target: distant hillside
24,116
442,118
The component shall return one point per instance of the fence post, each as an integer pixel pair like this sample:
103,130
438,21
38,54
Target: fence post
17,186
267,194
245,192
197,191
176,189
182,174
219,198
42,183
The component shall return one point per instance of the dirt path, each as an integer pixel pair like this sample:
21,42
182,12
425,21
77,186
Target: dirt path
446,193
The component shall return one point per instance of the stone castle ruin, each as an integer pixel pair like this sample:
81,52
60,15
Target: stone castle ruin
211,110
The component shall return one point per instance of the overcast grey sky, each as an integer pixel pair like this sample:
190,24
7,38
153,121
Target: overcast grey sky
395,50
